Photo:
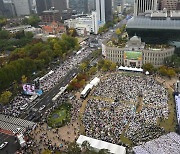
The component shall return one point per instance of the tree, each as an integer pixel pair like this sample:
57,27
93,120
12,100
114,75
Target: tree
118,31
29,35
171,73
148,67
113,67
33,20
4,34
92,70
24,79
3,21
83,66
73,148
5,97
72,32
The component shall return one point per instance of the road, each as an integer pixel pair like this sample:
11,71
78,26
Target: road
12,146
46,99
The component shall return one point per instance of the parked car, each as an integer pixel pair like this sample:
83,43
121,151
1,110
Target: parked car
3,145
24,106
42,108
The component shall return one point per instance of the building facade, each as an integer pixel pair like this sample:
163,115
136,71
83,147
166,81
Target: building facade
81,6
141,6
22,7
169,4
108,11
50,16
59,5
136,53
43,5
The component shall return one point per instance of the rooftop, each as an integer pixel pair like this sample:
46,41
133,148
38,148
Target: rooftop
141,22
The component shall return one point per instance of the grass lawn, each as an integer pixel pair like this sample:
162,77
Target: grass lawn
170,123
59,117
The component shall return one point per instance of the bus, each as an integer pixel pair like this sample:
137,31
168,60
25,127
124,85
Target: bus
86,91
62,90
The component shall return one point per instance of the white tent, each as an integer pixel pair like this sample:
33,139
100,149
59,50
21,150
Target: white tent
95,81
98,145
130,69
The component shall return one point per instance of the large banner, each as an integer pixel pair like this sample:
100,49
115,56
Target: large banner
132,55
29,89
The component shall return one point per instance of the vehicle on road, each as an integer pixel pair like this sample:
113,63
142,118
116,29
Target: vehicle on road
16,131
24,106
42,108
3,145
32,116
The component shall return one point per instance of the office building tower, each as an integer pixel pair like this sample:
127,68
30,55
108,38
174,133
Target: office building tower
10,10
43,5
22,7
2,8
59,5
169,4
81,6
100,9
108,10
141,6
95,25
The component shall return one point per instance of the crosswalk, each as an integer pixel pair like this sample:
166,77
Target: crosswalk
11,124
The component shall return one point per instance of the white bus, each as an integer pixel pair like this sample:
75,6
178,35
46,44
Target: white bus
62,90
86,90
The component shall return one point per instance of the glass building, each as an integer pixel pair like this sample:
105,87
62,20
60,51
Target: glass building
159,30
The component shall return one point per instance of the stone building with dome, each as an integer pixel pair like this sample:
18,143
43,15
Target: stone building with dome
135,53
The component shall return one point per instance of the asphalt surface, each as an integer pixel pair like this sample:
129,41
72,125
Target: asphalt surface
12,146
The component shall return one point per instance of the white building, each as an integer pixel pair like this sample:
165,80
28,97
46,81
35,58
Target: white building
83,25
95,26
22,7
141,6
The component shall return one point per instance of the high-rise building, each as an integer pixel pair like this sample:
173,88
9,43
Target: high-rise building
10,10
22,7
59,5
100,9
104,10
169,4
2,8
81,6
140,6
43,5
108,10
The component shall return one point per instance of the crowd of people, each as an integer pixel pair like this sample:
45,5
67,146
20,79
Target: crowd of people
169,143
46,83
133,104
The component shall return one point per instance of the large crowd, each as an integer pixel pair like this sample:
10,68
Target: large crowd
47,82
126,104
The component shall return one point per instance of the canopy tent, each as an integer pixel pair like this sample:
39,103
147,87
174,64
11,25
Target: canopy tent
98,145
130,69
95,81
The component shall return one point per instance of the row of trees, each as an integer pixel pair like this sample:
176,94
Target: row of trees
87,71
162,70
9,42
33,58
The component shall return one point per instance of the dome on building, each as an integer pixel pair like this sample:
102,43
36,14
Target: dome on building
135,39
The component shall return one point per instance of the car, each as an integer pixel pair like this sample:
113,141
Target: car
3,145
16,130
31,117
24,106
42,108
